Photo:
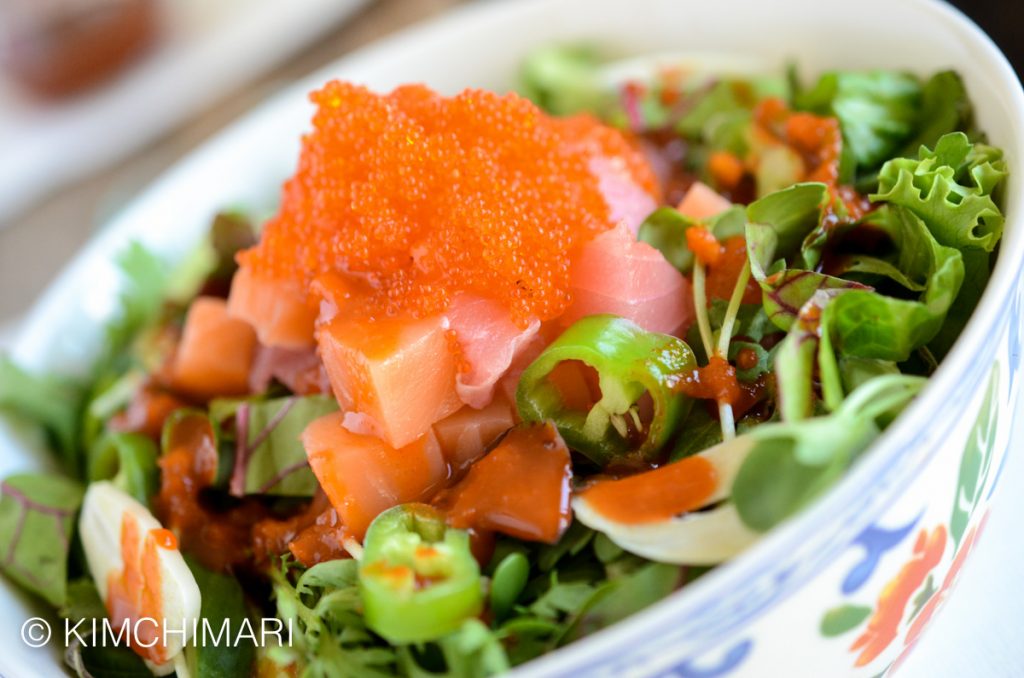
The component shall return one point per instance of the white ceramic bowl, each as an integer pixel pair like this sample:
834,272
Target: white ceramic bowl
869,545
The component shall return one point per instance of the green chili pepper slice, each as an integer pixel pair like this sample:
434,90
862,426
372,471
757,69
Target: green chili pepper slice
629,362
418,579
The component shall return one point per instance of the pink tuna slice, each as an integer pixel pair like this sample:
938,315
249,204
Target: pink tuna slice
628,202
615,273
298,369
489,342
530,352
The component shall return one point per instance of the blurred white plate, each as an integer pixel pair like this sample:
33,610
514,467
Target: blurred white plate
8,331
207,49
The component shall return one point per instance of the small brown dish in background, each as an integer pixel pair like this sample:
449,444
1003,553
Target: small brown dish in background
56,48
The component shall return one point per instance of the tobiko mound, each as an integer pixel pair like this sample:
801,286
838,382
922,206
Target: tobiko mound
491,380
414,197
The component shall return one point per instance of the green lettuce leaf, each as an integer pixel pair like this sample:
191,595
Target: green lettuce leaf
909,260
751,322
720,116
720,119
37,519
977,271
854,372
562,598
144,280
833,319
474,651
870,325
111,392
723,102
787,292
223,600
699,431
944,108
231,232
778,228
573,541
329,636
210,266
47,401
664,229
950,189
780,222
576,586
82,601
94,659
795,357
954,189
564,79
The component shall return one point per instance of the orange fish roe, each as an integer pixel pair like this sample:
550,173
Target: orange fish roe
423,196
704,245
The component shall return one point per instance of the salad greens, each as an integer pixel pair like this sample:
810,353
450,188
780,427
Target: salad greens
37,514
83,605
560,593
951,188
270,457
223,603
146,282
804,457
854,268
877,110
129,460
48,400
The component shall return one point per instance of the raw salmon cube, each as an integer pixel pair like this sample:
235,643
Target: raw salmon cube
362,475
277,309
398,372
701,201
215,353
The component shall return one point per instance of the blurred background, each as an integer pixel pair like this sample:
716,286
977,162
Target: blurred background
98,97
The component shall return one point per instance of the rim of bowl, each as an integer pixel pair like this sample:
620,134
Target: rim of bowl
783,538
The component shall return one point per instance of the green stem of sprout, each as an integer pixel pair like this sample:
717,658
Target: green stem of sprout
731,311
725,413
700,305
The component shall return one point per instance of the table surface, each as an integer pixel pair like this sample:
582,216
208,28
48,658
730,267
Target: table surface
976,636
